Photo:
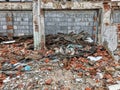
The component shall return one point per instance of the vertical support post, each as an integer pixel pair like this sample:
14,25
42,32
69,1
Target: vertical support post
38,25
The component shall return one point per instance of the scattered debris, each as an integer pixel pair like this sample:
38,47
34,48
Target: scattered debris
71,61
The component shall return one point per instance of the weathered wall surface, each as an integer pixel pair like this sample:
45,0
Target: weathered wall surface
15,5
16,19
19,22
108,31
66,21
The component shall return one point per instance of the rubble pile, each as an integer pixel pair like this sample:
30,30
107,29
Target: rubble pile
71,62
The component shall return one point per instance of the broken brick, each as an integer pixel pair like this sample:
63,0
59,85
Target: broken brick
88,88
48,81
47,60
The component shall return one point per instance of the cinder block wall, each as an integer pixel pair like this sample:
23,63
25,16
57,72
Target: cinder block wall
23,23
3,24
70,21
18,22
16,19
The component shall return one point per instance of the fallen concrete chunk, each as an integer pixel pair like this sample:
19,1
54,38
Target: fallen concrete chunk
94,58
89,39
6,80
114,87
8,42
79,80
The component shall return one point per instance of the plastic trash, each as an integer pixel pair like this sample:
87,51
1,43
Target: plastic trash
70,49
89,39
27,68
94,58
74,46
6,80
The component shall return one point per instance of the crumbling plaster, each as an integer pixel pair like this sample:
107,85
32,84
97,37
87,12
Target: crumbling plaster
16,6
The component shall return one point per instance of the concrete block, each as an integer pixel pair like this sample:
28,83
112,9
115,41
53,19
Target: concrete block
5,27
77,28
26,27
16,23
63,27
2,15
26,19
3,23
60,15
9,14
24,23
15,27
18,19
31,23
50,23
9,23
2,19
70,24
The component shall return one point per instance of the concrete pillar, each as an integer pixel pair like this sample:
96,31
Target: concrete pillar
38,25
